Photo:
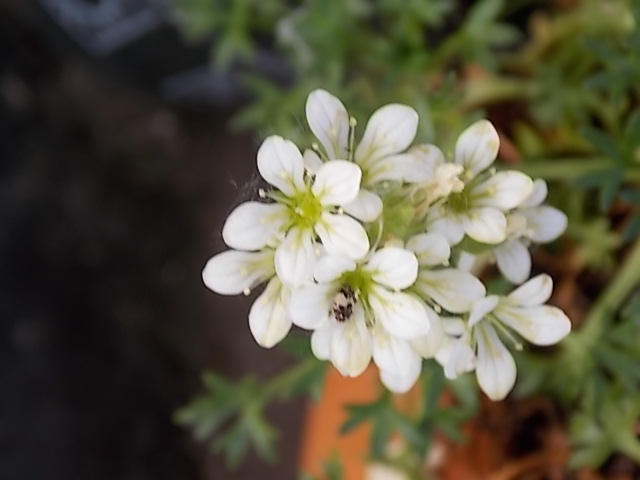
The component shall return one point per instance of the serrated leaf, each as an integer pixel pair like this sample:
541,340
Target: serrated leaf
622,366
609,189
603,142
361,413
411,433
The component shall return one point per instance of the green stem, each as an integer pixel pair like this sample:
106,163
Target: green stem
568,169
283,385
610,301
563,168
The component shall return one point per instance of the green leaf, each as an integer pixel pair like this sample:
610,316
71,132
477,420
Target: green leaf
610,186
631,229
603,142
632,130
361,413
621,365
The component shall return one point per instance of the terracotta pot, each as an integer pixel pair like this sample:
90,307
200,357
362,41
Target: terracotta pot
321,433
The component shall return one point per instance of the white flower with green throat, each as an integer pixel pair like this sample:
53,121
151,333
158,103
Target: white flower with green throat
358,310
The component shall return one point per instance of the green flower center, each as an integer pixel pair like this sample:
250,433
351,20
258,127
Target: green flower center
359,281
458,202
305,209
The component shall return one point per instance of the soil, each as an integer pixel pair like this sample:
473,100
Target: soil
110,203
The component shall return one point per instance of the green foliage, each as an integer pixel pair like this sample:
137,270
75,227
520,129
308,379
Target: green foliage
416,428
233,412
601,381
331,470
609,428
623,153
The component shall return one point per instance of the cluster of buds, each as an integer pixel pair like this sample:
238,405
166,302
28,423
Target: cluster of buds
357,241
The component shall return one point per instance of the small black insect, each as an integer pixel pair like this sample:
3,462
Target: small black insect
343,304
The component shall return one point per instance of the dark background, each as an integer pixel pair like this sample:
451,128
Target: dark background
111,201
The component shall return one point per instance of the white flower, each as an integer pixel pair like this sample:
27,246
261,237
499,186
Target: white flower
357,310
529,222
390,130
456,353
478,209
523,312
304,207
399,364
234,272
450,288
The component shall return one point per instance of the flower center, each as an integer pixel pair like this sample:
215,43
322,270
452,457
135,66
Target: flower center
343,303
458,202
305,209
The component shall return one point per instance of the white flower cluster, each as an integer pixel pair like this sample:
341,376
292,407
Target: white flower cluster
355,240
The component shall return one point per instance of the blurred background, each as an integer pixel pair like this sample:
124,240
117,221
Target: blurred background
117,171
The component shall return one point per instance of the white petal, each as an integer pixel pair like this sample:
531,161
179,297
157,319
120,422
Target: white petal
390,130
537,195
337,182
342,235
455,290
268,319
391,353
351,345
401,382
514,260
233,272
251,225
457,357
504,190
542,325
449,226
535,292
399,313
495,369
312,161
454,326
393,267
485,225
366,207
430,155
295,257
466,261
329,122
280,163
430,248
428,345
546,223
477,147
481,308
404,167
321,342
330,267
309,306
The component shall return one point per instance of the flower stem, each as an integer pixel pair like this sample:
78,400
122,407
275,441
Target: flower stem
603,311
287,384
568,169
